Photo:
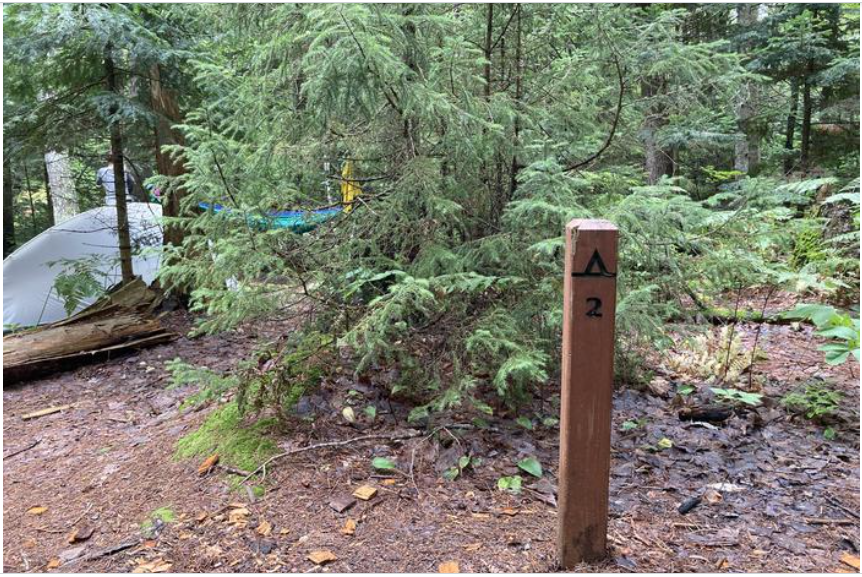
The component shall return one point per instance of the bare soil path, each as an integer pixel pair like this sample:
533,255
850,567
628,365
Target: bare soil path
789,499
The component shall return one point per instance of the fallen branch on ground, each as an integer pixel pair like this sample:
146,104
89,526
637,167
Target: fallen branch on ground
332,444
19,451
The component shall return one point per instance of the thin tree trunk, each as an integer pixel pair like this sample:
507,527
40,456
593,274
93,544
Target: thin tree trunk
790,133
659,162
489,28
166,108
125,243
30,198
747,157
8,212
63,193
48,198
805,145
519,94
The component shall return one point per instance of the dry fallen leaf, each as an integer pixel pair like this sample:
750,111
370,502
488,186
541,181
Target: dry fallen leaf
321,556
238,517
365,492
480,515
449,567
149,544
208,464
53,563
349,527
156,566
509,511
851,560
201,516
473,547
712,496
388,481
265,528
79,534
284,531
37,510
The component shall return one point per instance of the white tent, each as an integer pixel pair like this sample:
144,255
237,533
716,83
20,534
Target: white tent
29,295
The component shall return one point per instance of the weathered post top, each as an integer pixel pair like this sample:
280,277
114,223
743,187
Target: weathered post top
587,385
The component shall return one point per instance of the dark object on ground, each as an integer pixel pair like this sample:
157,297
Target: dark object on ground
709,414
689,504
121,320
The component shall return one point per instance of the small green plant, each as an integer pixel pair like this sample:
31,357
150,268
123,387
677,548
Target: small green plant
510,484
735,396
632,425
816,401
525,422
162,515
839,327
453,473
80,279
212,385
223,432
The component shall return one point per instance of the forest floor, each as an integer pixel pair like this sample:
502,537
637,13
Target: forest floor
789,499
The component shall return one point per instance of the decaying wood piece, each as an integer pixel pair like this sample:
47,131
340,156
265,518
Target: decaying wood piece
122,319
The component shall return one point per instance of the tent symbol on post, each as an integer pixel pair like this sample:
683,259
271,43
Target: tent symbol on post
596,262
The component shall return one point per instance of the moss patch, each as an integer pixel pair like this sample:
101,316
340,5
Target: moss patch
223,432
163,514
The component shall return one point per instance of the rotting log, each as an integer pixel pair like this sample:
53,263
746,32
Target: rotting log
120,321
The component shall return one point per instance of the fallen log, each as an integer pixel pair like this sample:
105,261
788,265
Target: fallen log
122,320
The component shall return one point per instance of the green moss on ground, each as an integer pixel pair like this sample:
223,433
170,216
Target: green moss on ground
238,445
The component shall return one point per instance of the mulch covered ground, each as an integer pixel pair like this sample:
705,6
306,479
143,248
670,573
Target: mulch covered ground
783,498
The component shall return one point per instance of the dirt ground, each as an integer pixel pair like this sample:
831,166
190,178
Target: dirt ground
788,499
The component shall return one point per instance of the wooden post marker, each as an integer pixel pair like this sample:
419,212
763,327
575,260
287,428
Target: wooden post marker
587,385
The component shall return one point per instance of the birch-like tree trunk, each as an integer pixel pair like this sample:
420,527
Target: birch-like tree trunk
64,197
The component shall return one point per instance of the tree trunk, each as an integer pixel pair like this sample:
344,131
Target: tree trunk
790,133
167,110
30,198
747,157
63,194
48,199
519,95
659,162
125,243
805,145
8,212
489,28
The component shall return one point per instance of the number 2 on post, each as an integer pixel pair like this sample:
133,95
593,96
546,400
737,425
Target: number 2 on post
596,307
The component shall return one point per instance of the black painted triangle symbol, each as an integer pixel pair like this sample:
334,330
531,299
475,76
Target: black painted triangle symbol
595,261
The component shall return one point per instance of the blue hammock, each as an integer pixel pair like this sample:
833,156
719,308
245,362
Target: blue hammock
296,220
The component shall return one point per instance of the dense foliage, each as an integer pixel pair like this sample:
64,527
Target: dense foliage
476,133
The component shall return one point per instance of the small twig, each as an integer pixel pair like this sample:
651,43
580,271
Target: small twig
81,516
232,470
826,521
835,503
757,337
19,451
105,552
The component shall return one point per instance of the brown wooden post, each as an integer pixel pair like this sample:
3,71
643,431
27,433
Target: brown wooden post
587,385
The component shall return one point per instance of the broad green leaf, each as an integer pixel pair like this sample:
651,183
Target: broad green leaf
525,422
382,464
531,465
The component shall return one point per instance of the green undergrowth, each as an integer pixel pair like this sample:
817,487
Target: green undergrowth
237,444
164,514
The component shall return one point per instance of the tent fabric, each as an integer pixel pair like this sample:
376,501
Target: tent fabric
295,220
29,296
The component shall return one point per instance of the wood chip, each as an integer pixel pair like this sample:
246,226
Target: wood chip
44,412
509,511
265,528
388,482
449,567
365,492
37,510
238,517
322,556
852,560
473,547
284,531
53,563
342,504
349,527
208,464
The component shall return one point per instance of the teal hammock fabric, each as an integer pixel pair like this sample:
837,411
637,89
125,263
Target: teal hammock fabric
296,220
